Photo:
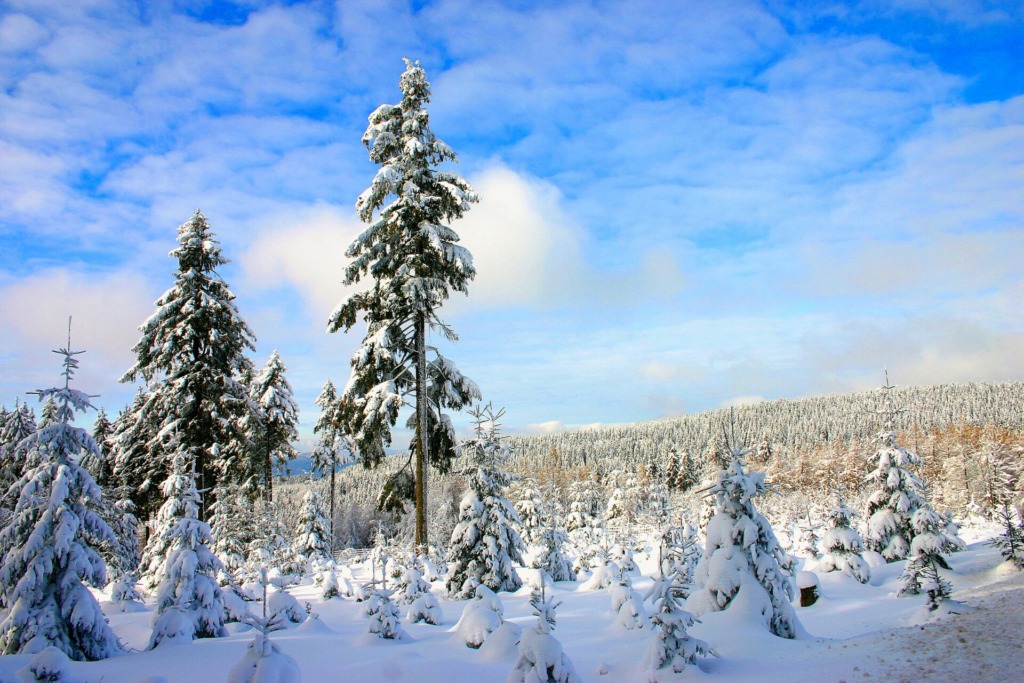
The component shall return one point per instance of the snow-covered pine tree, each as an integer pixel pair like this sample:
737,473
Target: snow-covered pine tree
312,543
485,543
334,449
927,554
551,557
100,466
742,554
274,429
188,599
673,648
191,355
414,260
52,544
898,491
48,413
842,545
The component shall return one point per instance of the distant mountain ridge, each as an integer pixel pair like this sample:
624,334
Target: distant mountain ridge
781,424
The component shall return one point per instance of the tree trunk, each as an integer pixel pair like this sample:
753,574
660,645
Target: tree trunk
333,467
421,434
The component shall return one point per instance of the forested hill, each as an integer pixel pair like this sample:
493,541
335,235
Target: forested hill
783,425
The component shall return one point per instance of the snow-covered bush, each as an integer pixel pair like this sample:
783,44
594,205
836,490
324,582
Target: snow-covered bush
263,661
385,620
931,542
481,617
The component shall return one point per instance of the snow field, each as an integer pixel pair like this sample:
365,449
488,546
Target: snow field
854,633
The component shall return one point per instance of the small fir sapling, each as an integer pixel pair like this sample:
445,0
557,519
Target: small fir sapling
484,544
672,648
50,549
385,620
927,555
541,657
843,546
1011,542
627,604
263,661
414,591
551,558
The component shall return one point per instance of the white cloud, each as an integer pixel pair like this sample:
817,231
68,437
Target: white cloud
106,310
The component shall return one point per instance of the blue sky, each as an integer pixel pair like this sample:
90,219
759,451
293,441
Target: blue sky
684,204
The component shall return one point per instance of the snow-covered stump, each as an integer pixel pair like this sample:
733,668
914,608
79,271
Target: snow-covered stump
809,587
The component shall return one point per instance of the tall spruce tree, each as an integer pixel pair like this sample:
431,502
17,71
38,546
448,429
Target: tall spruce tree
274,427
191,355
413,261
52,544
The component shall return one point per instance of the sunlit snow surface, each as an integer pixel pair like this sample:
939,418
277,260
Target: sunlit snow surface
856,633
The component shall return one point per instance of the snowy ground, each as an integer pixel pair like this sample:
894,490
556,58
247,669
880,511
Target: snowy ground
854,633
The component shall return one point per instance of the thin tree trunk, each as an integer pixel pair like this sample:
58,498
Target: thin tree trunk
421,434
333,467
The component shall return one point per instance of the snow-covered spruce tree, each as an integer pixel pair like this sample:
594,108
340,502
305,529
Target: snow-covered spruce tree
552,539
484,543
17,426
273,427
188,599
530,508
231,527
898,491
142,469
742,556
673,648
541,658
101,466
125,556
312,542
842,545
413,260
334,449
51,545
927,554
191,355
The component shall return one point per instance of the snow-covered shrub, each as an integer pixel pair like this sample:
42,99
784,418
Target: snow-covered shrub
1011,541
263,661
742,554
481,617
48,666
284,603
124,595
